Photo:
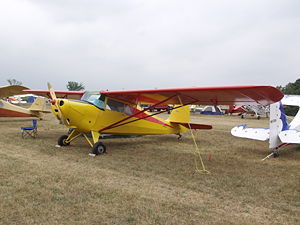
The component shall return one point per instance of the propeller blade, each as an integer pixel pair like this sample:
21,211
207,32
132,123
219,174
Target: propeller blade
55,102
52,92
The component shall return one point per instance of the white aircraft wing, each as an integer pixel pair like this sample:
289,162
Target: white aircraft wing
290,136
261,134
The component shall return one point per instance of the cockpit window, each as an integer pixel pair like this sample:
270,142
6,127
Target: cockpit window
94,98
118,106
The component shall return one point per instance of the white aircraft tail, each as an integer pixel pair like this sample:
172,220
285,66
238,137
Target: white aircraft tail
278,123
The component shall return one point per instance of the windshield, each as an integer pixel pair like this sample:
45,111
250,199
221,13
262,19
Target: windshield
95,98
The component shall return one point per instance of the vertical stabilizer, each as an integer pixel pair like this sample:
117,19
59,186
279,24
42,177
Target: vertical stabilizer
39,105
278,123
180,115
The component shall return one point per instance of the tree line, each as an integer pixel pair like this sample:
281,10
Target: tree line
71,85
292,88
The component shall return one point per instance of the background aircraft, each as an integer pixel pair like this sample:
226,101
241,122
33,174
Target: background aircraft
118,112
253,110
9,110
280,133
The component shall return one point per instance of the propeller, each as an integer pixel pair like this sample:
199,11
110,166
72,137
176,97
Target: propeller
54,102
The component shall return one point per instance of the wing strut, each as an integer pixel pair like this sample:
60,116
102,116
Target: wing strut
117,124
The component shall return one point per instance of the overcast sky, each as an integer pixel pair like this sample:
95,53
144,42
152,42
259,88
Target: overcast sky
144,44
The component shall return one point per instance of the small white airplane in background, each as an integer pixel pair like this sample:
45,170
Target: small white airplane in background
253,110
281,133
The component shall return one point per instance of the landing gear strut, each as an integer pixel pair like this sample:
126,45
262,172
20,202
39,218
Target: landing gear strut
275,154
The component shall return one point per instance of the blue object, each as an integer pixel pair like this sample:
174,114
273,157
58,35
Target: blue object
30,99
30,131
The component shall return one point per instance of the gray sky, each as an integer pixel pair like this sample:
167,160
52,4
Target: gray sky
142,44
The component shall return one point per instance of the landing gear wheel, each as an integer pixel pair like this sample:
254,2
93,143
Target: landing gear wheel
258,117
62,140
276,153
99,148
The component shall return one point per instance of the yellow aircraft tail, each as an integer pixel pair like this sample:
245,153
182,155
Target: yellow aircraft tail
39,105
180,115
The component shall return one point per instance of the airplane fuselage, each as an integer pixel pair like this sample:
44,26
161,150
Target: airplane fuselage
86,117
9,110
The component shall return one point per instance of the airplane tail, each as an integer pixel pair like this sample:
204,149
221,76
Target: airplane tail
278,123
39,106
181,116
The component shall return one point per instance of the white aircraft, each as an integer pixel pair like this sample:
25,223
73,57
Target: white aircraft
280,133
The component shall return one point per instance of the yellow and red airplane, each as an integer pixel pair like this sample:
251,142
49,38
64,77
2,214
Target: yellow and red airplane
118,112
7,109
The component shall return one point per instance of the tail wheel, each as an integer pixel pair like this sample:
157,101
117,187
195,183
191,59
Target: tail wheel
62,140
99,148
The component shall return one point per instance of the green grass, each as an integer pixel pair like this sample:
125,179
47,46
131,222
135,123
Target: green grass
146,180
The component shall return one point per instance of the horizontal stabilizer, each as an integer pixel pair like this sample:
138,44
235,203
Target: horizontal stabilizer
42,111
290,136
195,126
293,100
261,134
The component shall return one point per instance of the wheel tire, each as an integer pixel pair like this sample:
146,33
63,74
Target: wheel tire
242,116
62,140
99,148
258,117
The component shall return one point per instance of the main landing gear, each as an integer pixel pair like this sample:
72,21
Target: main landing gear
98,147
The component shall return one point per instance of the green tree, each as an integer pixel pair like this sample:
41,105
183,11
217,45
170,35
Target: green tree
14,82
75,86
291,89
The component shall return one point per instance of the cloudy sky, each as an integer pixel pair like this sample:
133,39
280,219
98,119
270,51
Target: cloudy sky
142,44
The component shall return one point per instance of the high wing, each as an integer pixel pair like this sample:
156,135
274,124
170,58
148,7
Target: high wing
11,90
228,95
60,94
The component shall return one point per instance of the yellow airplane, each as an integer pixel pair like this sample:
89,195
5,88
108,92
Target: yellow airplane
7,109
118,112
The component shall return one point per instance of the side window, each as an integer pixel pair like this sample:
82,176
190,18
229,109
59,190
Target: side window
118,106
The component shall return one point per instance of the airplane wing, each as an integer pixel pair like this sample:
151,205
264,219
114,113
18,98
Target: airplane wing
230,95
293,100
11,90
60,94
290,136
261,134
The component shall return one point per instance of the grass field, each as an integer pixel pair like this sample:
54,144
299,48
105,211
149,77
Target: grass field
146,180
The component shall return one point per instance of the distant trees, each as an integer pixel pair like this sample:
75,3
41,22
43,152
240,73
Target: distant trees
291,89
14,82
75,86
